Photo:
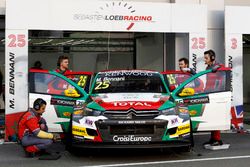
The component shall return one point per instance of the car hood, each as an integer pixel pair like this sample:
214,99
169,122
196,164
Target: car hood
125,101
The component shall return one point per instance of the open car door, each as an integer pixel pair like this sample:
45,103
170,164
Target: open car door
174,79
60,93
82,79
209,107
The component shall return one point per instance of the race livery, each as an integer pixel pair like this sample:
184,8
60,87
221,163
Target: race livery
135,108
130,108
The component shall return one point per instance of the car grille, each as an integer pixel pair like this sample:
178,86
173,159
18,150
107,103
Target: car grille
131,129
132,114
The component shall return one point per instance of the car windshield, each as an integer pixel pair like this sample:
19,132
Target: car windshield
128,81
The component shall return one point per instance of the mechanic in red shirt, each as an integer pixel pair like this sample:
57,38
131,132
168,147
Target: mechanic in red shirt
62,65
213,82
32,130
57,86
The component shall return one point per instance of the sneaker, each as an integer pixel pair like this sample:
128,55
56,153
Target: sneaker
217,143
211,141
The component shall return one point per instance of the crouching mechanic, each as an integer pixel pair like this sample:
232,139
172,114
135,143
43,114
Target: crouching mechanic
32,130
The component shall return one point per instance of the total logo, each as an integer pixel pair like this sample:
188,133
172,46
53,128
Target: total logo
131,138
124,104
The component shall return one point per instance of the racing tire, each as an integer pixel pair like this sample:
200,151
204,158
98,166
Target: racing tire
191,135
68,137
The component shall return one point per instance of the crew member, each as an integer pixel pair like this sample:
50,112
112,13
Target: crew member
62,64
211,83
32,130
184,66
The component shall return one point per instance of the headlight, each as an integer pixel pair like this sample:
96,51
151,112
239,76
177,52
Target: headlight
169,111
91,112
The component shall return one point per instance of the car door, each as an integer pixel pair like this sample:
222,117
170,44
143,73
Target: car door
175,78
209,108
60,93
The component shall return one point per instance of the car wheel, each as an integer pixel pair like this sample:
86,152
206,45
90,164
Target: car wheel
191,134
68,137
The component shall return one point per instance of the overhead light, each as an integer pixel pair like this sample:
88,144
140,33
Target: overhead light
45,42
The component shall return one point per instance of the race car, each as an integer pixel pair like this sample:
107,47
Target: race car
134,108
130,107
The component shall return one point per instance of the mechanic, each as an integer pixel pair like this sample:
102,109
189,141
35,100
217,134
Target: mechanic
32,130
37,65
184,66
63,65
209,58
197,85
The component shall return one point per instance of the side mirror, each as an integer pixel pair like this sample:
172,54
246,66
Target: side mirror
71,92
187,92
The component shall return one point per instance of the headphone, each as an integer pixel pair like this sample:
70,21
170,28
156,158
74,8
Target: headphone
211,55
212,58
38,103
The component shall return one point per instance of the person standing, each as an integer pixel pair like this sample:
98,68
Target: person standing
33,130
37,66
62,64
209,59
184,66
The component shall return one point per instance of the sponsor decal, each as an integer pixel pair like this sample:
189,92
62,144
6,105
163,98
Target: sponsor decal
131,122
197,100
183,110
62,102
80,131
129,15
67,114
131,138
78,112
174,121
12,78
183,129
193,112
194,58
112,79
230,65
89,122
126,73
123,104
80,102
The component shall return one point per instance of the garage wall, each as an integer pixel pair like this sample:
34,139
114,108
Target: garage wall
237,2
48,60
2,63
149,52
246,75
2,7
181,48
84,61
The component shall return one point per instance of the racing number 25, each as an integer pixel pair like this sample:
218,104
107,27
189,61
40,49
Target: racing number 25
82,81
198,43
17,40
102,85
